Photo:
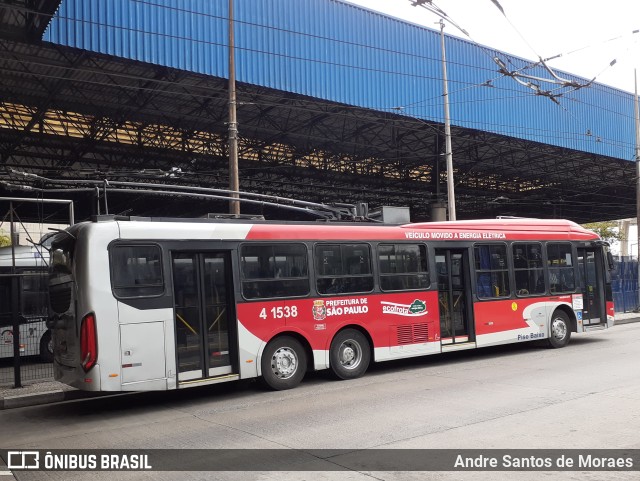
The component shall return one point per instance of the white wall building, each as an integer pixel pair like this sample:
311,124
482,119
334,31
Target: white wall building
29,230
629,230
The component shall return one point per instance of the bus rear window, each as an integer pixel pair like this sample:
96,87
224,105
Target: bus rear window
61,273
136,271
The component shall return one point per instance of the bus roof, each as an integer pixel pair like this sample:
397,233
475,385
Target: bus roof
504,224
469,230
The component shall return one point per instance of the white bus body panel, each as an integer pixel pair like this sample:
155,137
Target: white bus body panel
143,361
168,231
136,348
91,263
537,317
251,348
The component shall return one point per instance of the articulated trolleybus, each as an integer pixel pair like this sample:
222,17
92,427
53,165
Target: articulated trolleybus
142,304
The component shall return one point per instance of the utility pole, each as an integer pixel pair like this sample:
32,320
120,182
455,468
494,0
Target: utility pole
234,182
15,308
451,200
637,124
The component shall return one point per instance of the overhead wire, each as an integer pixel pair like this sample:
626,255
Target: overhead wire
566,86
532,82
156,90
566,193
609,65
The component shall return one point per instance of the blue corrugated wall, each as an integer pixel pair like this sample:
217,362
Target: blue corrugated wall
344,53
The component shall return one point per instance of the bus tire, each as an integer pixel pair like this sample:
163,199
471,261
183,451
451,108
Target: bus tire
284,363
559,330
349,355
46,346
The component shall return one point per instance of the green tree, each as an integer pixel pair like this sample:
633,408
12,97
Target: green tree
5,240
607,230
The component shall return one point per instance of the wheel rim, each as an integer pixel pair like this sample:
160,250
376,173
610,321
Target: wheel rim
559,329
350,354
284,363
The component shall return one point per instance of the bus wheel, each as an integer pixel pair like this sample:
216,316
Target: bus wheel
560,331
284,363
349,355
46,346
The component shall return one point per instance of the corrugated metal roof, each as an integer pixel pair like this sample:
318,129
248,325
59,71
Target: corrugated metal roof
340,52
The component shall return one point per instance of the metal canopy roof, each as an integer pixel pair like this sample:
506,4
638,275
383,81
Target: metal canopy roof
69,113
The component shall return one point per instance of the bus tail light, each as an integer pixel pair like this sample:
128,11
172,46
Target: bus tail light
88,342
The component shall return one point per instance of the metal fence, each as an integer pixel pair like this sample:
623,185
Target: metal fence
26,349
624,284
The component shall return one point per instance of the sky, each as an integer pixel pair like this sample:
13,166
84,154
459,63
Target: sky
543,28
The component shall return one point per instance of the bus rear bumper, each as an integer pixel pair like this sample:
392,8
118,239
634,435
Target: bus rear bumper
76,377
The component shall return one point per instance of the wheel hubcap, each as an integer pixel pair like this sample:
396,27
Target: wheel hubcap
559,329
350,354
284,363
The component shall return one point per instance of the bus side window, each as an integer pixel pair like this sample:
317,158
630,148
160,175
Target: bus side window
136,270
274,270
528,270
560,267
343,268
403,267
492,271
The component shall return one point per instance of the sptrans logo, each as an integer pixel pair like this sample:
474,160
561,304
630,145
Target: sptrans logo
415,309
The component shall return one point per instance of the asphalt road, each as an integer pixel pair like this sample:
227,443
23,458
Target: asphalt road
585,396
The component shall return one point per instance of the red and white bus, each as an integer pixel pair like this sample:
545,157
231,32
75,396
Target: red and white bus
153,305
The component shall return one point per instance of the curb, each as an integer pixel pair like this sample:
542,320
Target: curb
23,400
46,397
626,321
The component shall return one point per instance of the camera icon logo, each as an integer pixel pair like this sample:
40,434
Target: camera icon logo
23,460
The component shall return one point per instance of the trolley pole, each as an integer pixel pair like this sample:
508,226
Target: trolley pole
234,182
451,201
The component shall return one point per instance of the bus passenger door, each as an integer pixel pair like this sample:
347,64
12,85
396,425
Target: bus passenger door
452,267
203,300
590,269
